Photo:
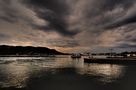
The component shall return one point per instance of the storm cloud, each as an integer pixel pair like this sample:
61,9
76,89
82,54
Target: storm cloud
86,24
54,12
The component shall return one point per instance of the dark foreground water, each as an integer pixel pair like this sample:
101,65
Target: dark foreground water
63,73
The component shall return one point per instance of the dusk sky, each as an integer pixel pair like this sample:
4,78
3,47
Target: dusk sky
69,25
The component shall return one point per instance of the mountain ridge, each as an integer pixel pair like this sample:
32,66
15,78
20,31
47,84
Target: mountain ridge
27,50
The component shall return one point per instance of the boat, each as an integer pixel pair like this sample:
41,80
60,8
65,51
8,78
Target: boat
111,60
76,56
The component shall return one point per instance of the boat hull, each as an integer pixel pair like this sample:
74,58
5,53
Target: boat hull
75,56
110,60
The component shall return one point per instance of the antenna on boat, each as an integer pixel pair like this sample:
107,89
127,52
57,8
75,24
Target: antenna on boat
111,52
90,55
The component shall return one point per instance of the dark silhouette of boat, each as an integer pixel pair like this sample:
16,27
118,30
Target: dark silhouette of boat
76,56
113,60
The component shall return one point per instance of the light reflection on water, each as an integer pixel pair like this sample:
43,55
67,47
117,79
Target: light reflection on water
13,75
107,73
15,71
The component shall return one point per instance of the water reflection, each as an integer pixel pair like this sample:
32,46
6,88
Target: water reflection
15,71
21,69
13,76
107,72
78,63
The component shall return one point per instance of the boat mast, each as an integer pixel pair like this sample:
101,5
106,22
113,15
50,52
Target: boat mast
111,52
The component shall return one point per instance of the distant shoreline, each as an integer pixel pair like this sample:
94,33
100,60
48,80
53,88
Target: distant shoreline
29,51
29,55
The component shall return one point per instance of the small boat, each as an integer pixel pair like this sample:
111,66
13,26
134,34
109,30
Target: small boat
110,60
76,56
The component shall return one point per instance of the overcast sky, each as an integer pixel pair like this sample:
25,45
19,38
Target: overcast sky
69,25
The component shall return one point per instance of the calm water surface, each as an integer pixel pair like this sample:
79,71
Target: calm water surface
63,73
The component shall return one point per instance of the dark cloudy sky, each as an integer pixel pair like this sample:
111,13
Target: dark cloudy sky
69,25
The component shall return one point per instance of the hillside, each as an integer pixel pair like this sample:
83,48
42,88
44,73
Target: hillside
27,50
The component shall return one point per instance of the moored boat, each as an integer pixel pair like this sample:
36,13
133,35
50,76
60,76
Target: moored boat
76,56
111,60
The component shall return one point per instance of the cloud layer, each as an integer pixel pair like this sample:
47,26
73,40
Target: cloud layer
64,24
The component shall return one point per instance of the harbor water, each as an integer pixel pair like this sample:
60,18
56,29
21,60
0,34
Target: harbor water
63,73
